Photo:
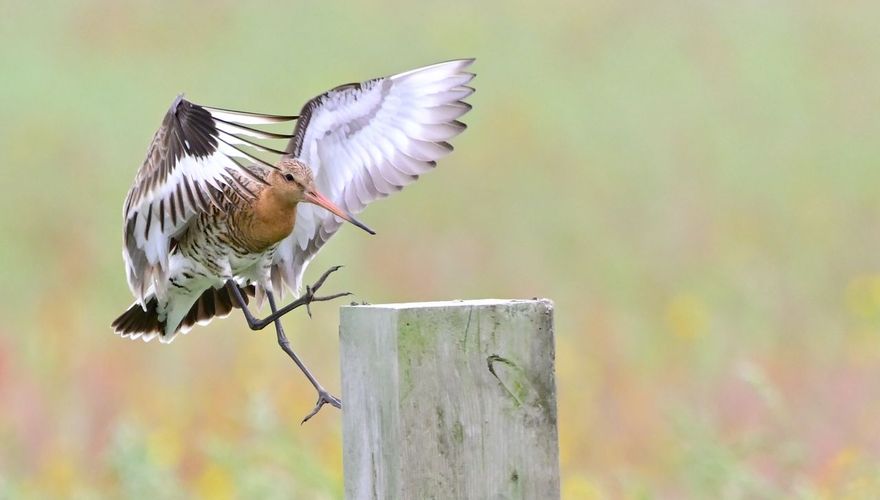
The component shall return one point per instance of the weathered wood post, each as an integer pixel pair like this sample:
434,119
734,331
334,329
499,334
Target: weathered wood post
449,400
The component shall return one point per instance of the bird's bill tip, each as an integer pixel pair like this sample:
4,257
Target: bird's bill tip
322,201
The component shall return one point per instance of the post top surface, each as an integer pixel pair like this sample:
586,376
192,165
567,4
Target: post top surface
448,303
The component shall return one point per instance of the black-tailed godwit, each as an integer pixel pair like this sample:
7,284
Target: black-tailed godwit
209,224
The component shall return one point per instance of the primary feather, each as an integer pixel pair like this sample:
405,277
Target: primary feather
367,140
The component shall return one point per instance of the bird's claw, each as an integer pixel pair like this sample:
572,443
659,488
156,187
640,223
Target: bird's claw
323,277
310,291
324,397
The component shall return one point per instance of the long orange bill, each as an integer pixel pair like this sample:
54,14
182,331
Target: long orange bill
322,201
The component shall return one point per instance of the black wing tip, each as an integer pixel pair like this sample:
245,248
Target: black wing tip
177,100
182,102
180,99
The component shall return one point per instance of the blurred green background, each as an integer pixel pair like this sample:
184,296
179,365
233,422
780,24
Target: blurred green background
694,183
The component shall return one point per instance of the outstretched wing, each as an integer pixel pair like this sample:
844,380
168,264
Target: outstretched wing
364,141
195,155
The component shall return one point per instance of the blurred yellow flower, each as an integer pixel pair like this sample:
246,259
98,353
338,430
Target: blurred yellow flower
215,483
850,474
863,296
863,486
59,474
164,446
839,465
580,487
686,316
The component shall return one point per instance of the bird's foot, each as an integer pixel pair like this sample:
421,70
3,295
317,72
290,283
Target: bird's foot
324,397
310,296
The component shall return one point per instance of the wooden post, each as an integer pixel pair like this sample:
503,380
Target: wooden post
449,400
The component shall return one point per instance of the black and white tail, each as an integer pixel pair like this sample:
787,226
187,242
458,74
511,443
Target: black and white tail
139,323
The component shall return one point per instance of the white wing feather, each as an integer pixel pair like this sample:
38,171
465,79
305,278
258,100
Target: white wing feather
365,141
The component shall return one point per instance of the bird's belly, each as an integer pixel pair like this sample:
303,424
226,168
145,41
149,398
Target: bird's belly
251,267
214,251
241,263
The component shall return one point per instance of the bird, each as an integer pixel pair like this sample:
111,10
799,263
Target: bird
210,225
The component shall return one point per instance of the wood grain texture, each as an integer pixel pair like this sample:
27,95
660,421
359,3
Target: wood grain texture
449,400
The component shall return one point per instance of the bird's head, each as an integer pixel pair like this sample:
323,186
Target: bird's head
293,183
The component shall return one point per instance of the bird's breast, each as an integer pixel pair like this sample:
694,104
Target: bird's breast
264,233
260,227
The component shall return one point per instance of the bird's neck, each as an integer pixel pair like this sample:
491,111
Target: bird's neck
271,220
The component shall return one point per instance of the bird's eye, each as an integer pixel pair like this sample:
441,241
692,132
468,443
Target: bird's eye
288,177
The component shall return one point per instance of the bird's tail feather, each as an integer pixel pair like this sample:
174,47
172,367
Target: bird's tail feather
140,322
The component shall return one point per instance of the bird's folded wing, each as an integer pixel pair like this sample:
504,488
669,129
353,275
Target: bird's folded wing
197,157
365,141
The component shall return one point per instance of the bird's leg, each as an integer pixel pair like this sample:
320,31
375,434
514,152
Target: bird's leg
323,395
306,299
252,322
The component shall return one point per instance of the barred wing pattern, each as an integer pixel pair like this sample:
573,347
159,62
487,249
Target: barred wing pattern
364,141
195,154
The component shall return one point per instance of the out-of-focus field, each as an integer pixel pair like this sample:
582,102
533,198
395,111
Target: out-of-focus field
696,185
